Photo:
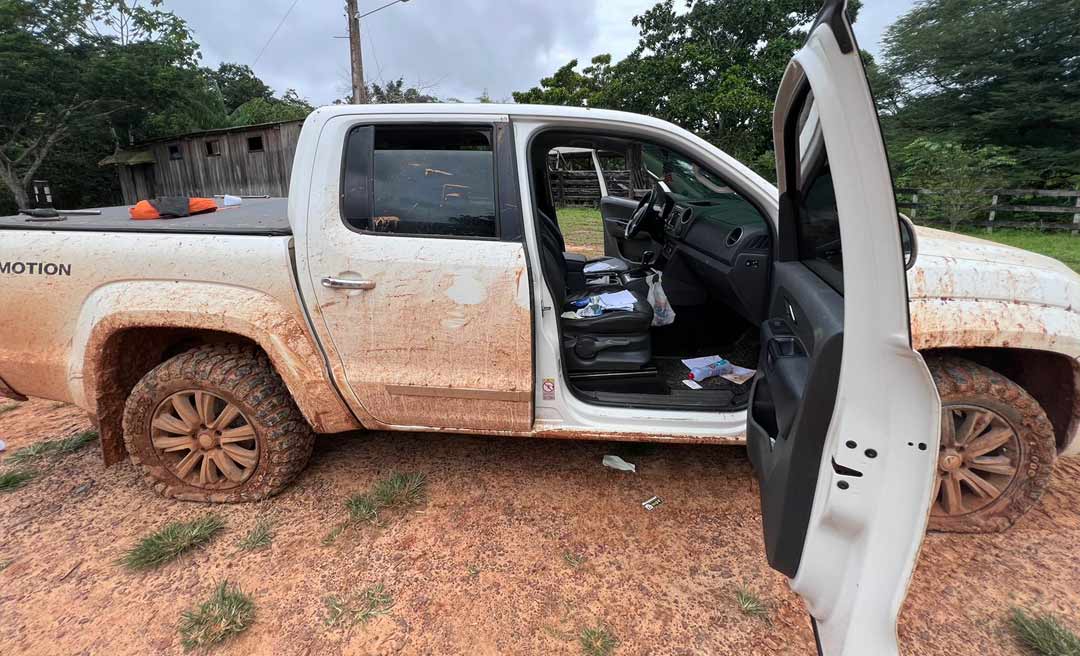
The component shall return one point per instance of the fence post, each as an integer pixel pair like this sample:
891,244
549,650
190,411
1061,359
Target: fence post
993,212
1076,217
914,204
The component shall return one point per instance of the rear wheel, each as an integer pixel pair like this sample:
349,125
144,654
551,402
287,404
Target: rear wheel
216,424
997,449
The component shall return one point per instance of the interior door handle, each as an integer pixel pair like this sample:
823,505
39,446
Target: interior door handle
344,283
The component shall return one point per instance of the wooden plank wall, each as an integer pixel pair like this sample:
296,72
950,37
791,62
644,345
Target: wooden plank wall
236,170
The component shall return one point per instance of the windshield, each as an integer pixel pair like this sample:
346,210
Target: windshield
684,177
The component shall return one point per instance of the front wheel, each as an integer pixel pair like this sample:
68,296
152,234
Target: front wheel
216,424
997,449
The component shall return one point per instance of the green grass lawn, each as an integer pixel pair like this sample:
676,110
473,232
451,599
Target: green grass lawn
583,230
1062,246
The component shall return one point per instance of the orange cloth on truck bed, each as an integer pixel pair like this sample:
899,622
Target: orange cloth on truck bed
144,210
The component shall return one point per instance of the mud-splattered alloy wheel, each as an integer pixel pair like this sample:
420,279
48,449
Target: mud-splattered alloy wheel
204,440
216,424
997,449
980,453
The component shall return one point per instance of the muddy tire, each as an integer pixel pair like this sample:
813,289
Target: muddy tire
997,449
216,424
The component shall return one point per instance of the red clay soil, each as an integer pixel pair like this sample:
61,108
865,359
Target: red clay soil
481,567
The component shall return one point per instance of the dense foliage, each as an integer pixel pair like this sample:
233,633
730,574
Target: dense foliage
713,69
81,78
972,93
1002,73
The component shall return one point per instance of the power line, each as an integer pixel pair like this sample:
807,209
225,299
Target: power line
274,33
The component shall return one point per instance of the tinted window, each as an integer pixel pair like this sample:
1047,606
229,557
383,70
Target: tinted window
818,224
425,181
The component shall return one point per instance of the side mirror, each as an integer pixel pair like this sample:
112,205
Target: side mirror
908,241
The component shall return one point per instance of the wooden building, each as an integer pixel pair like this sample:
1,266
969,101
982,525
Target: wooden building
253,160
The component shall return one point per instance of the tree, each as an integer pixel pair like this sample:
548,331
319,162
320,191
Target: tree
713,70
396,92
957,176
992,72
70,64
289,107
238,84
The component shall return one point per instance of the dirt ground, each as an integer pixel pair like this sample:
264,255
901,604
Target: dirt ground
481,567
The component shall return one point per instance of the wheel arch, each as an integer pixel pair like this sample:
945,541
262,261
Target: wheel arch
125,330
1052,378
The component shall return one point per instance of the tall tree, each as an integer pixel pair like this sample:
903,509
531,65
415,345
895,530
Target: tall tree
713,69
992,72
76,63
238,84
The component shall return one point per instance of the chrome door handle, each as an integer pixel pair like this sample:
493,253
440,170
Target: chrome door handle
343,283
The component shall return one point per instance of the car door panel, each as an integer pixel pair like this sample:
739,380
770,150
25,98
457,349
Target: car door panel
844,417
801,354
615,213
440,333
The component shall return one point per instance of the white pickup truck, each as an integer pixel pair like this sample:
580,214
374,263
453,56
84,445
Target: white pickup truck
418,280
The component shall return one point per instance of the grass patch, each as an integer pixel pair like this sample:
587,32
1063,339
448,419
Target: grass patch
333,534
583,230
51,448
172,541
13,480
1043,634
359,607
258,537
750,604
395,492
597,641
226,613
572,559
8,407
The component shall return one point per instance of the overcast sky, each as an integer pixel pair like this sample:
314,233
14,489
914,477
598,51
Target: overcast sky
454,48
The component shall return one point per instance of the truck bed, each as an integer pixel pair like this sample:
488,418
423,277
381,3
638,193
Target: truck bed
256,216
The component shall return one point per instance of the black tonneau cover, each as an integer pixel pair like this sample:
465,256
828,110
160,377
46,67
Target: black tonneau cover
255,216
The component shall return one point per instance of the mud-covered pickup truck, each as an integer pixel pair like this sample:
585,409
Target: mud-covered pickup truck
417,278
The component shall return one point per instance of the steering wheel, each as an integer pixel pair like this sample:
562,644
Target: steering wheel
643,211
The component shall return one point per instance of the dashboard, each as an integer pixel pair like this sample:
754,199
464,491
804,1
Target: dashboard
723,244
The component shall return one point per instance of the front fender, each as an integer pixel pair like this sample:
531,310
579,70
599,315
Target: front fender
204,306
938,323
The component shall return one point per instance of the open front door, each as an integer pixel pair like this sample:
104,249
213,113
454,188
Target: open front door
844,417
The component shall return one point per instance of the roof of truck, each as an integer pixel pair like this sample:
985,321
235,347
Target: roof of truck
496,109
255,216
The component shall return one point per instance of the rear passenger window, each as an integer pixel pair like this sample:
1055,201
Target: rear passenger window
818,225
424,181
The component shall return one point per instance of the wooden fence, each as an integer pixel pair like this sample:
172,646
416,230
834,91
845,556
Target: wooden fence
1021,205
583,187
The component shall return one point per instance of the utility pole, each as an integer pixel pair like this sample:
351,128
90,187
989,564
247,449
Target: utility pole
359,88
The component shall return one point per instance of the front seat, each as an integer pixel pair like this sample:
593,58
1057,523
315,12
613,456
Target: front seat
614,341
577,264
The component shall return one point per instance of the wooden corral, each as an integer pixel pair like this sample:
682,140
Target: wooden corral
252,160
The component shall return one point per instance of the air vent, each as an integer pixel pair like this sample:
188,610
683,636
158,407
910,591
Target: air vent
686,216
760,242
734,236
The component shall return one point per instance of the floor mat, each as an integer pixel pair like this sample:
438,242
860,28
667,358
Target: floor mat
673,372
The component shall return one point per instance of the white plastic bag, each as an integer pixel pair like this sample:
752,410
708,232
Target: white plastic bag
663,315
